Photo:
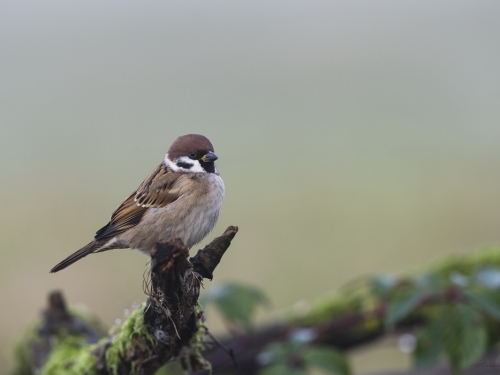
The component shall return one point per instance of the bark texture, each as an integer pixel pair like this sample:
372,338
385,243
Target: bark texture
170,326
166,328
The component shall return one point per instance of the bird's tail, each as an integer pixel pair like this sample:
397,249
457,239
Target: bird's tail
77,255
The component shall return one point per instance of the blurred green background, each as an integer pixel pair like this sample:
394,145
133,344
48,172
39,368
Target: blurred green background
355,137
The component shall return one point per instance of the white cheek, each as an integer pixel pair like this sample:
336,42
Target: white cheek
171,164
196,164
195,168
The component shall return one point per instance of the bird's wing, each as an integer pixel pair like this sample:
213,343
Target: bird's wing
158,190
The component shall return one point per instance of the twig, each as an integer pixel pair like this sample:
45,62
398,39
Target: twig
229,351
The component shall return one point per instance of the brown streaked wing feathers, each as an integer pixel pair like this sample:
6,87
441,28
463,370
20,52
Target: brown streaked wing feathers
154,192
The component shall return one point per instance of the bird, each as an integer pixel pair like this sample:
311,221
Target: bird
181,198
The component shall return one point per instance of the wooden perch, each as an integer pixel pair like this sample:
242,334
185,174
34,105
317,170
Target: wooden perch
165,329
169,326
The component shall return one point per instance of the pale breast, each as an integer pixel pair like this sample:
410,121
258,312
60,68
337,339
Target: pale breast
191,217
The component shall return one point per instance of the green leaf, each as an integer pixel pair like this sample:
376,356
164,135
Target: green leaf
429,343
485,301
238,303
277,352
327,359
459,279
429,281
281,369
382,285
465,336
402,305
459,331
489,277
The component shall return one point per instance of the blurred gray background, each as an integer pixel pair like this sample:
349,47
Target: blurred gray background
355,137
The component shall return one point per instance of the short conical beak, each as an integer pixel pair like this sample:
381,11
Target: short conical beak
208,157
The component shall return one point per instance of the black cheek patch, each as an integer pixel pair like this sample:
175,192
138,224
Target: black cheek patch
184,165
208,167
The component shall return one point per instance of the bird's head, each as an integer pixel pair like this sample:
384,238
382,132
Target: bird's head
191,153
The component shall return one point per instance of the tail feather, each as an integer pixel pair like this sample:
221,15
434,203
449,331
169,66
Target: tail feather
77,255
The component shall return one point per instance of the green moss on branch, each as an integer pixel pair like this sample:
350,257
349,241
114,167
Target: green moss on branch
164,328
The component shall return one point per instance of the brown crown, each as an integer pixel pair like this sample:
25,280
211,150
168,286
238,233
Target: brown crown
187,143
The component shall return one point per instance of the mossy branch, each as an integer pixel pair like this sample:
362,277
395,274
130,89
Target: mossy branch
166,327
359,313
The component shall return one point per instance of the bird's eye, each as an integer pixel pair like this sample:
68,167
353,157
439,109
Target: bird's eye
192,155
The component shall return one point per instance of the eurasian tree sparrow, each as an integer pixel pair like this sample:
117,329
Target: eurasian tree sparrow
181,198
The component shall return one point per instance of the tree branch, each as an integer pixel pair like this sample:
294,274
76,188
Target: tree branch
357,315
164,329
169,326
